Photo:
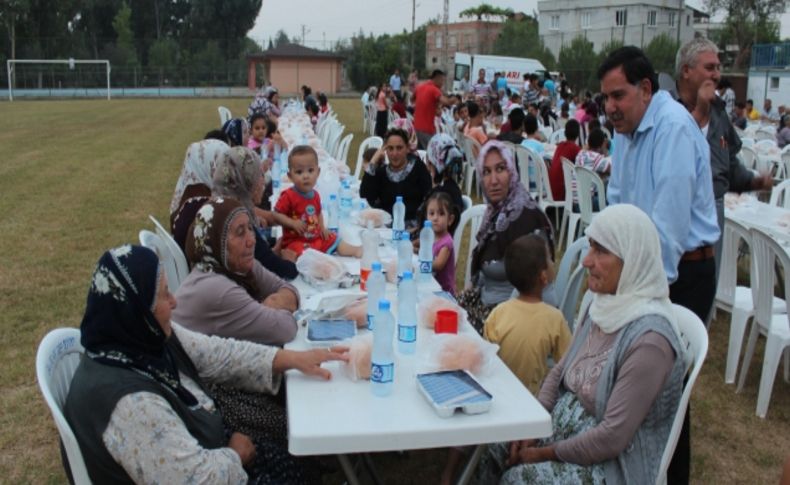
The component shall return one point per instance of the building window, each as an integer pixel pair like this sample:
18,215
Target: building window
621,17
688,20
651,18
774,83
586,19
438,40
555,22
434,60
671,20
452,41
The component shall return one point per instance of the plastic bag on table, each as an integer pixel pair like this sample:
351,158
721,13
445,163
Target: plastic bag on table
328,183
323,271
467,352
430,304
378,217
359,351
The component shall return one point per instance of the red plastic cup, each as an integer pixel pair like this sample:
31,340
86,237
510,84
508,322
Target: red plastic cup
446,321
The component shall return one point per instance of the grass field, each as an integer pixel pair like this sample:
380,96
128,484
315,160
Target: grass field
78,177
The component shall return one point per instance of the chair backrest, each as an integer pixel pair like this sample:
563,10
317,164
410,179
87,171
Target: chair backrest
780,196
472,217
784,169
583,308
342,149
224,115
765,253
694,338
765,134
734,233
570,297
523,162
471,149
57,359
153,242
586,181
182,268
557,136
746,141
568,178
467,202
748,155
571,260
369,142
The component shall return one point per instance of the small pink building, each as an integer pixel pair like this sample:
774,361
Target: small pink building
288,67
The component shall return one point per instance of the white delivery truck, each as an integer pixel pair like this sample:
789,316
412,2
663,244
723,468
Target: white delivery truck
513,67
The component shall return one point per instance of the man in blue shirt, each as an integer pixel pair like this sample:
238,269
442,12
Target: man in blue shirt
395,82
662,165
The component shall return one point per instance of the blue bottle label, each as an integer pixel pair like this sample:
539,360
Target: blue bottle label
426,266
396,234
382,373
370,321
407,333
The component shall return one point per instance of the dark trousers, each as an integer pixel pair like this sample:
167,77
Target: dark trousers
694,289
382,118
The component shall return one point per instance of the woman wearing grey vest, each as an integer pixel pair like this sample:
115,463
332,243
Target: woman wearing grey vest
138,403
614,394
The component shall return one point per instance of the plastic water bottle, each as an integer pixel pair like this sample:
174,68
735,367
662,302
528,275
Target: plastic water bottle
405,251
398,216
426,252
376,284
370,253
346,199
276,175
382,359
333,210
407,315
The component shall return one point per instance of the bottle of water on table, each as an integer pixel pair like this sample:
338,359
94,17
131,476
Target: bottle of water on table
370,253
407,315
276,175
405,251
398,216
346,199
382,359
333,214
426,252
375,286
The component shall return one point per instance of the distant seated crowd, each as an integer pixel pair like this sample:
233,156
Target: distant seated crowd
201,400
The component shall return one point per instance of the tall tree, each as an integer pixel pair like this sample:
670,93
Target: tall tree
661,51
13,12
519,37
749,22
281,38
124,44
579,63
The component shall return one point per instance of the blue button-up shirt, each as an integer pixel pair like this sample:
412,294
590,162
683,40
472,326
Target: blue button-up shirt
664,169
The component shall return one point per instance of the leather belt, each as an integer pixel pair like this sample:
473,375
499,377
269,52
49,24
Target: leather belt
699,254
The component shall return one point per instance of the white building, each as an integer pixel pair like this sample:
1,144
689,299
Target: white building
603,21
769,75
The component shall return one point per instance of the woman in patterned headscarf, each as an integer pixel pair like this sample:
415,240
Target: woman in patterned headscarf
138,405
510,213
197,173
407,126
445,163
266,102
238,132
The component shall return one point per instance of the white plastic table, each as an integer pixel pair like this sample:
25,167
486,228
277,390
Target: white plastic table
342,416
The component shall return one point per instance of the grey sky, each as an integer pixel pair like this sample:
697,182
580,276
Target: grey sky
329,20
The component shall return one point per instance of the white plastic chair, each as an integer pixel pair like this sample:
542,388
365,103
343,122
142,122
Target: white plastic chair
471,150
586,180
694,337
570,217
370,142
523,160
570,298
571,259
342,149
472,217
153,242
224,115
57,359
747,142
748,155
178,255
765,252
766,142
733,298
784,168
764,134
780,195
467,203
557,136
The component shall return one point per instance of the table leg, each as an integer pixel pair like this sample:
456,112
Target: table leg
471,465
368,462
348,469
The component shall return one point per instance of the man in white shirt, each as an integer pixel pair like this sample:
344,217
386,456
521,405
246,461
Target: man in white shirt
395,82
769,113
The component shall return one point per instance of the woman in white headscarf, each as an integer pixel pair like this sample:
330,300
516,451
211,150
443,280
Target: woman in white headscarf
614,394
196,175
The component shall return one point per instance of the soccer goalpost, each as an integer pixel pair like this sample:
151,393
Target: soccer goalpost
71,63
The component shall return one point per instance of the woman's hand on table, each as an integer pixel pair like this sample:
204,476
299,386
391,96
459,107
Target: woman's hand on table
242,445
309,362
525,451
282,299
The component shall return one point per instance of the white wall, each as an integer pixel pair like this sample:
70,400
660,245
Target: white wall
760,87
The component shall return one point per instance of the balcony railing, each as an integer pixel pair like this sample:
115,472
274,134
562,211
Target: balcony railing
771,55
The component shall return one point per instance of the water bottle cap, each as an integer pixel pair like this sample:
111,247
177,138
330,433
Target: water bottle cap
405,236
428,224
398,198
407,275
384,304
376,266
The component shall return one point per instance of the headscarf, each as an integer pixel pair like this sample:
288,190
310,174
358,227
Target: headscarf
236,175
630,235
207,242
499,216
444,155
119,328
199,163
407,126
263,103
235,129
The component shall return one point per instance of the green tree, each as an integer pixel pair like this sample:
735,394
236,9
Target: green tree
125,53
748,22
661,51
519,38
579,63
487,11
163,56
281,38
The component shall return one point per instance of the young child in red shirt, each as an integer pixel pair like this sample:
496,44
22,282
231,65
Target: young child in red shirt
298,209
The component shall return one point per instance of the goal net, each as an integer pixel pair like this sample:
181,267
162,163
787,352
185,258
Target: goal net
58,77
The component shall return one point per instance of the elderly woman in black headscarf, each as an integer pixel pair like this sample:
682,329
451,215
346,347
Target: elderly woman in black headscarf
138,403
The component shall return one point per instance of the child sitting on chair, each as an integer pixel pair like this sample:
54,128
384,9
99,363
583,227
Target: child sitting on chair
298,209
527,330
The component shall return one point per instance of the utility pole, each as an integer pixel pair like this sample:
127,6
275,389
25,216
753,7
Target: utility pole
680,17
305,31
445,20
413,10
